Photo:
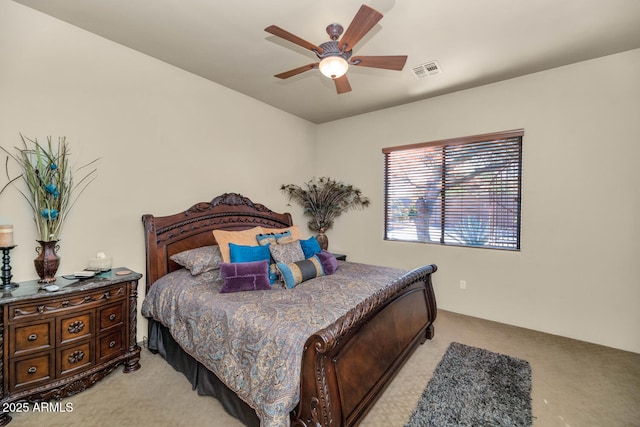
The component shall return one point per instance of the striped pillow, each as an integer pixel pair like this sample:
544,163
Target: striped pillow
297,272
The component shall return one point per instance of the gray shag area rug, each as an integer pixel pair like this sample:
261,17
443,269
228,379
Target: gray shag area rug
475,387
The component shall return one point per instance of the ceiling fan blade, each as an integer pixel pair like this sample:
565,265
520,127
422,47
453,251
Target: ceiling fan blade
342,84
284,34
296,71
387,62
362,23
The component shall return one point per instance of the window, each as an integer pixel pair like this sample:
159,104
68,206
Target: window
463,191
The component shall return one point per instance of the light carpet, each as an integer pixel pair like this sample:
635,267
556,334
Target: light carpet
574,384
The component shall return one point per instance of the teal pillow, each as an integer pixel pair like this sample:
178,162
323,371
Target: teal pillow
310,247
297,272
241,253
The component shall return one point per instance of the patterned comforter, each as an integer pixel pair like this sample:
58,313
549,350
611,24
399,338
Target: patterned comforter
253,341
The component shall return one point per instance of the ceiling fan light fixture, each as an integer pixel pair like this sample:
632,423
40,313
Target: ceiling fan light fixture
333,66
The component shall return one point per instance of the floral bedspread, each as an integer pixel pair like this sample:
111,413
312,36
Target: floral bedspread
253,341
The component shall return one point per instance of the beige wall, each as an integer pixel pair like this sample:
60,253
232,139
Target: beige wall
166,138
578,273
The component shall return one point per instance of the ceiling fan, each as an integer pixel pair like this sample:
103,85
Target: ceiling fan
335,55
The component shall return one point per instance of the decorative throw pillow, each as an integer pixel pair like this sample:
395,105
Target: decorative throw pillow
310,247
274,238
287,252
294,229
241,253
242,237
297,272
245,276
329,262
285,237
199,260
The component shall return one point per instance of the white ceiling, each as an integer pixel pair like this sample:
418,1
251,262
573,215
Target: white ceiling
475,42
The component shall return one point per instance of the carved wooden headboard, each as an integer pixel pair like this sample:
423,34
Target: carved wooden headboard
168,235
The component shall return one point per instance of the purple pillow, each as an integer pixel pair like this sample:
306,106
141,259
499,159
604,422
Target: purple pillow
245,276
329,262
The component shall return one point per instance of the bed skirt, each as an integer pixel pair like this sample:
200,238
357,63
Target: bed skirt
204,381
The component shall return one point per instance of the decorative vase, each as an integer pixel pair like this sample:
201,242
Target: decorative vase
47,261
322,239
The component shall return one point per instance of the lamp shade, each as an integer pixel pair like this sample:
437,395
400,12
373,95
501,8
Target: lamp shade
334,66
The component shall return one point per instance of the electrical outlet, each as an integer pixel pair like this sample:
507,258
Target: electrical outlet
463,284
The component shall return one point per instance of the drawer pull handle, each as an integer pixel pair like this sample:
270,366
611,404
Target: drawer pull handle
76,327
112,344
76,356
32,370
32,337
112,317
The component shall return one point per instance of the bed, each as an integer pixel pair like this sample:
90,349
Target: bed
338,369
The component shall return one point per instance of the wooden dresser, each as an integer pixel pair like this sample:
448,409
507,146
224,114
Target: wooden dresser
57,344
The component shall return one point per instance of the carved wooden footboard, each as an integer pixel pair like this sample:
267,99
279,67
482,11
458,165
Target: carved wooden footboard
347,366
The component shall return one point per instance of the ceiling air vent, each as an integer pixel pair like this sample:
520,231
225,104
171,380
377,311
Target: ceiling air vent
427,69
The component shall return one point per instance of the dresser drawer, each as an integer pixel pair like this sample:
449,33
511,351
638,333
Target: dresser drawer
30,371
55,306
110,345
110,316
31,338
74,358
75,326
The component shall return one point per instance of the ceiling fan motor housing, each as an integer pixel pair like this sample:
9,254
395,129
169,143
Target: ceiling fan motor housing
331,49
